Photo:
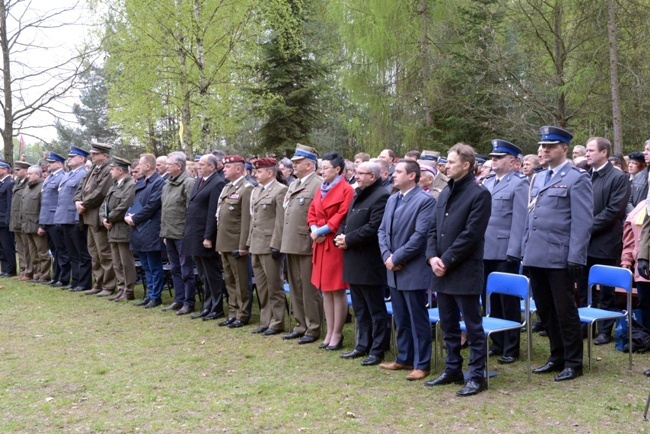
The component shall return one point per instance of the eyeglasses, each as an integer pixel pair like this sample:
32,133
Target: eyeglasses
364,173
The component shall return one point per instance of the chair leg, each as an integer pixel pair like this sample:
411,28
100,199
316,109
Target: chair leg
487,361
589,341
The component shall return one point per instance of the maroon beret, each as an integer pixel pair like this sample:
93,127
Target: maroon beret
264,162
233,159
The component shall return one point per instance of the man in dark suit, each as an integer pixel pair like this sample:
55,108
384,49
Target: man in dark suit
556,237
503,240
611,192
201,235
455,254
402,240
7,246
363,264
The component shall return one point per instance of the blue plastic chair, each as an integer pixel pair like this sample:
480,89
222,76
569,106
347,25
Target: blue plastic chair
393,338
287,303
507,284
434,319
607,276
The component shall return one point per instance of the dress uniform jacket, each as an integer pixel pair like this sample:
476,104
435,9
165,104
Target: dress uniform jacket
559,220
611,190
295,236
6,189
457,236
267,220
31,208
439,183
117,202
66,212
92,192
50,197
201,223
403,234
145,236
234,216
19,190
508,217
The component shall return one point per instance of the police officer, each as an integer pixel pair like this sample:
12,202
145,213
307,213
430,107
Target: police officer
503,240
7,246
560,216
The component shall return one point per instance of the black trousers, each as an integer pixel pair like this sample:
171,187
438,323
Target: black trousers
8,247
74,237
506,307
556,307
607,298
60,256
370,311
211,274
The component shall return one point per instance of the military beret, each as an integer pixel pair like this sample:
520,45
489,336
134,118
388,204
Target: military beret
554,136
100,148
264,162
501,148
233,159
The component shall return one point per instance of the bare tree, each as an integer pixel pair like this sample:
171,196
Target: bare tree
33,78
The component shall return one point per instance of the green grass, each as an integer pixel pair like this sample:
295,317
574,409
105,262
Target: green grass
75,363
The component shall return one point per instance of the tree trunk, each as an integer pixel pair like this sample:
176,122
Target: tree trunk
186,111
8,129
613,76
425,70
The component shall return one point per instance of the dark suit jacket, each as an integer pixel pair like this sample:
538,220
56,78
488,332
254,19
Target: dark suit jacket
362,263
403,234
201,223
6,192
457,236
611,190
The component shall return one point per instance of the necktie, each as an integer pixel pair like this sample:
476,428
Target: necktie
400,198
496,182
549,175
201,183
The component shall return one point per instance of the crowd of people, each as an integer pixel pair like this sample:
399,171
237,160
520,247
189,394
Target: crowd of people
416,230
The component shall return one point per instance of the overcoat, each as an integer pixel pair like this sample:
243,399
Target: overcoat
145,235
31,208
19,190
327,259
457,236
201,222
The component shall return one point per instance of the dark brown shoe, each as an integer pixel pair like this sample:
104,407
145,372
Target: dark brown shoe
185,310
105,293
116,296
125,296
394,366
174,306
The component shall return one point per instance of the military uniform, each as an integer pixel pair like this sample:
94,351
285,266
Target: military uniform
15,226
306,299
233,224
7,243
267,218
37,245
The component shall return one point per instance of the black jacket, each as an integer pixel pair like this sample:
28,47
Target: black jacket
362,262
611,190
201,222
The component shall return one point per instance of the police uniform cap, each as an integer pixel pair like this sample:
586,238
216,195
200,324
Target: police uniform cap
554,136
52,157
4,164
75,150
501,148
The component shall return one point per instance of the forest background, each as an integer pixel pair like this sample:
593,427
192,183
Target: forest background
257,77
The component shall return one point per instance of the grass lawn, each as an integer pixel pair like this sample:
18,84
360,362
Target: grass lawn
75,363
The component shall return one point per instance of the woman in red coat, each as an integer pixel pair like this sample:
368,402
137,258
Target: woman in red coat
326,213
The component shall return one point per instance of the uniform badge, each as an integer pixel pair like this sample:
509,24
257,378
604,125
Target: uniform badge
301,201
231,207
233,196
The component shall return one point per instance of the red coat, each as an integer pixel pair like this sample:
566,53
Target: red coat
327,259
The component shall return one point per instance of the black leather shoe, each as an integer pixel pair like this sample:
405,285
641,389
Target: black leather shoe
143,302
259,330
647,373
602,339
292,335
372,360
69,286
173,306
568,374
212,315
445,378
492,353
185,310
505,360
271,332
472,388
201,314
51,282
226,322
153,303
79,289
57,284
335,347
354,354
548,367
307,340
236,324
323,346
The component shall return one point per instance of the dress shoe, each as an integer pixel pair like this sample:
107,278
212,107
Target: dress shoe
259,330
143,302
153,303
445,379
227,322
78,289
119,294
212,315
51,282
335,347
292,335
371,360
417,374
394,366
92,291
568,374
105,293
185,310
492,353
124,297
548,367
57,284
201,314
69,286
646,373
323,346
236,324
307,340
505,360
354,354
24,278
4,275
472,388
602,339
543,333
174,306
271,332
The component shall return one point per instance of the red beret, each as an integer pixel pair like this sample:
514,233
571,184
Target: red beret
233,159
264,162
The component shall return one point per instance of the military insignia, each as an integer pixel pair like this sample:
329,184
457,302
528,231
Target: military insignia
231,207
234,196
264,206
301,201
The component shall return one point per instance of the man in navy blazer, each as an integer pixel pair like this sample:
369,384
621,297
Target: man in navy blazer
402,241
455,254
503,240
